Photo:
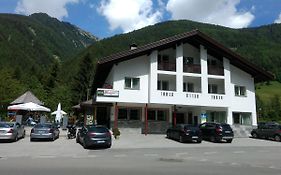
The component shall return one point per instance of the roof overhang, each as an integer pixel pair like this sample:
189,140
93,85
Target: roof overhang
196,38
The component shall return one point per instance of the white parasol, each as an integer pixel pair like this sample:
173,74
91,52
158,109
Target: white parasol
30,106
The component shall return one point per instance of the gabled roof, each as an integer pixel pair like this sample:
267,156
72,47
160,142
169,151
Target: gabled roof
27,97
196,38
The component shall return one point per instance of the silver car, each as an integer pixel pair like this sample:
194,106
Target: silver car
11,131
44,131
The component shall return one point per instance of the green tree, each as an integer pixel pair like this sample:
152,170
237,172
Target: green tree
83,80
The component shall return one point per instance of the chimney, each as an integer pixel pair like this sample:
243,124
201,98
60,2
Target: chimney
133,46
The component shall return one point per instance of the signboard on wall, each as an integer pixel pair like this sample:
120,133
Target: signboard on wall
107,93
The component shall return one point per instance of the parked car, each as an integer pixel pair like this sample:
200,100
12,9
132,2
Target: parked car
93,135
185,133
216,132
267,131
11,131
44,131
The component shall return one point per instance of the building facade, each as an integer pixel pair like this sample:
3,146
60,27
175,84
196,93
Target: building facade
188,78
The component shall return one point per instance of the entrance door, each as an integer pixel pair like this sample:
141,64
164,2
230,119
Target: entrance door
180,118
189,118
103,117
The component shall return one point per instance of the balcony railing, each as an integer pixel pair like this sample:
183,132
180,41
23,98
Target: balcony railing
215,70
167,66
192,68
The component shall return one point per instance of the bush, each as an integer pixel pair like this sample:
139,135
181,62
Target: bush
116,132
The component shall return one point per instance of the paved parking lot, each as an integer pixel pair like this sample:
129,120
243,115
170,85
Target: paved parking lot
64,146
144,155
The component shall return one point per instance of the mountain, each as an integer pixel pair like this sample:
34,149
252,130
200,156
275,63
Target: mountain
38,39
33,50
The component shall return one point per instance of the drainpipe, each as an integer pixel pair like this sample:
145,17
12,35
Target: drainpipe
116,116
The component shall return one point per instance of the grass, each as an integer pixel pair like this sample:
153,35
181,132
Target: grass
267,91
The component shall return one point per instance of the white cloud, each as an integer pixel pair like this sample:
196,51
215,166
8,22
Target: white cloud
221,12
129,15
54,8
278,20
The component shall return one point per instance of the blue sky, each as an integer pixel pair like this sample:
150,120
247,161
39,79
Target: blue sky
105,18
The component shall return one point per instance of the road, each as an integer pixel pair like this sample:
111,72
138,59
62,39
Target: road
66,157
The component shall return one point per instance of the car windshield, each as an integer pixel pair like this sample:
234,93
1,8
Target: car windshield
190,127
43,126
226,126
98,129
6,125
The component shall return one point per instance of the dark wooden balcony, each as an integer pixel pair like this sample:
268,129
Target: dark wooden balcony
215,70
192,68
167,66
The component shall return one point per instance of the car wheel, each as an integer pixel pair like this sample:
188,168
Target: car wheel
168,135
23,135
85,145
255,135
77,140
229,141
16,138
213,139
181,139
53,137
199,141
277,138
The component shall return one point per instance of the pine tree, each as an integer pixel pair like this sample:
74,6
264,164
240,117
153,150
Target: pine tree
83,80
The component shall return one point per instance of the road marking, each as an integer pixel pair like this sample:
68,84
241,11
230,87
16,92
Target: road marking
93,156
203,160
273,167
239,152
235,164
210,153
181,154
120,155
150,155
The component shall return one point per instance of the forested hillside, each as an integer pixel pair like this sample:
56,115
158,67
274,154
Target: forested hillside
32,51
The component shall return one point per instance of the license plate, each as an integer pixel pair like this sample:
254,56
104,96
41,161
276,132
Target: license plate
195,137
100,141
227,131
41,132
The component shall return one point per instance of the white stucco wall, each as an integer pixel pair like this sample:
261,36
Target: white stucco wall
136,68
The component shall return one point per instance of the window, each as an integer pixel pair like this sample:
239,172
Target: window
163,85
188,87
242,118
213,88
129,113
157,115
132,83
188,60
240,90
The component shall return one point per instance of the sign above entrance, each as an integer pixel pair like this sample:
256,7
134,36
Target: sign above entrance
107,93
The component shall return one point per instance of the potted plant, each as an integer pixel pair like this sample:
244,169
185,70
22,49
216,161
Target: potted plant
116,133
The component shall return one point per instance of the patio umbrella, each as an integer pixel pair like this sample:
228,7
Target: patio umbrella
59,113
30,106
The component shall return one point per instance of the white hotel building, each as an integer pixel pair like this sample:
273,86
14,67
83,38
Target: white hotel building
187,78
